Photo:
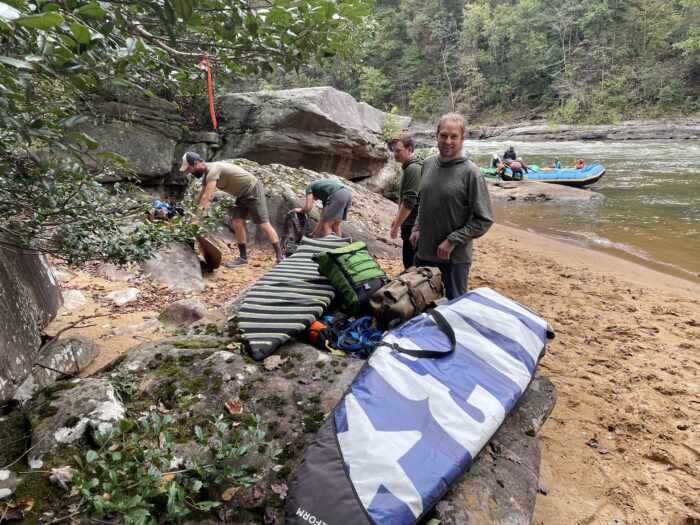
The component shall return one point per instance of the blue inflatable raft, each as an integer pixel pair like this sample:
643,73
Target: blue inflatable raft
569,177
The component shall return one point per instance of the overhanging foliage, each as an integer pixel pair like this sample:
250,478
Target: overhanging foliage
55,53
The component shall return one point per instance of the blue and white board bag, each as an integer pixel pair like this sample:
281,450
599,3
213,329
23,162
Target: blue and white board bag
417,414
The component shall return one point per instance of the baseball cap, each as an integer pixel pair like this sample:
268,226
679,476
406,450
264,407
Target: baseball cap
188,159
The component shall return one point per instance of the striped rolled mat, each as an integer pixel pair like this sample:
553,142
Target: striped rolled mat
287,299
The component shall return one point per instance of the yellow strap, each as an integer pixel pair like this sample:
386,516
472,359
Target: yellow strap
332,350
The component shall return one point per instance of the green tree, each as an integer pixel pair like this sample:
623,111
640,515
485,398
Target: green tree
54,54
425,101
593,61
374,87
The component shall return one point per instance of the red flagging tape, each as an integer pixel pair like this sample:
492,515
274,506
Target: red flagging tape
202,64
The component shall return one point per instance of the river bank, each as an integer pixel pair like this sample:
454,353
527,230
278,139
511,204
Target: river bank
424,134
622,443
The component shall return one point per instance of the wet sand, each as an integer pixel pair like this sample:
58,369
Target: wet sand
623,443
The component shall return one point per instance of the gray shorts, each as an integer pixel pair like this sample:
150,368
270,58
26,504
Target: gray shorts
254,204
336,208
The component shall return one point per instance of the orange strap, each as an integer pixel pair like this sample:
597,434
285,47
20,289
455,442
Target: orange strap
202,64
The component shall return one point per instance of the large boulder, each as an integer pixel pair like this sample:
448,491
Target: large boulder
68,413
319,128
29,301
386,181
206,143
176,267
144,130
199,378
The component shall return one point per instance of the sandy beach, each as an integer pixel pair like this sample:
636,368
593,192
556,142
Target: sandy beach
623,443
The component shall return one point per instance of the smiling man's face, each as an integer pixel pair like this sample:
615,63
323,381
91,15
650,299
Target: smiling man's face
450,141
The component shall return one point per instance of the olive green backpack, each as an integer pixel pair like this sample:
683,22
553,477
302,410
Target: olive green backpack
412,292
354,273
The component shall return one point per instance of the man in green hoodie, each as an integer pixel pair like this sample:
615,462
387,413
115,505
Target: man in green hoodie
402,148
454,207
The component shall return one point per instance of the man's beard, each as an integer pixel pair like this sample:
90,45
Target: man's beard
199,173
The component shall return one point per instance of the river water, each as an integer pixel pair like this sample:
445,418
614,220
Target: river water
651,213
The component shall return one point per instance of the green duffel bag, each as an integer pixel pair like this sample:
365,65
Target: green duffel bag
354,273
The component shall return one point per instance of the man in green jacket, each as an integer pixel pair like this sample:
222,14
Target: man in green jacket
454,207
403,148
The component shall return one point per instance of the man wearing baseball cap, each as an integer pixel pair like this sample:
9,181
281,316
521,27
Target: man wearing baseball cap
249,193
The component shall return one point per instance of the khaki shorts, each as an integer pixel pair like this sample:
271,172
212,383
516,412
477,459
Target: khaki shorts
252,203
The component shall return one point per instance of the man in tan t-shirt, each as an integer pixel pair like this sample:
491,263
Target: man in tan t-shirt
249,193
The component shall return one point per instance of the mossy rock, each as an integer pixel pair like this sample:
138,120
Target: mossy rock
113,365
59,386
197,343
15,429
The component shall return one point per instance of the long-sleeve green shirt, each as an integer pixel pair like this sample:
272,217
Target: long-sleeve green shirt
454,204
409,188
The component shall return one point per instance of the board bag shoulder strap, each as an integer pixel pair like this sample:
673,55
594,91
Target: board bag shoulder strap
444,327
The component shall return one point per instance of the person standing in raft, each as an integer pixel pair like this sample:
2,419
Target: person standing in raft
336,198
402,148
510,154
454,207
250,199
557,164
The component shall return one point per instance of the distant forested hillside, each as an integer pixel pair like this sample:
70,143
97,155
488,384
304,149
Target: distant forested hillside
577,61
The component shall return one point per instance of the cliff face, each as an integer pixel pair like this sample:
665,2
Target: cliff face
29,301
636,130
319,128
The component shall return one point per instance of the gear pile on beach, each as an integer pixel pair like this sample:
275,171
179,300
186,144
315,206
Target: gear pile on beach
440,379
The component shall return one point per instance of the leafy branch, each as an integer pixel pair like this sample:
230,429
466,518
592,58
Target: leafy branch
133,474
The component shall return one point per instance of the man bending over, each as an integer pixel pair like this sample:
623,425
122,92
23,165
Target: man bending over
336,198
250,199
